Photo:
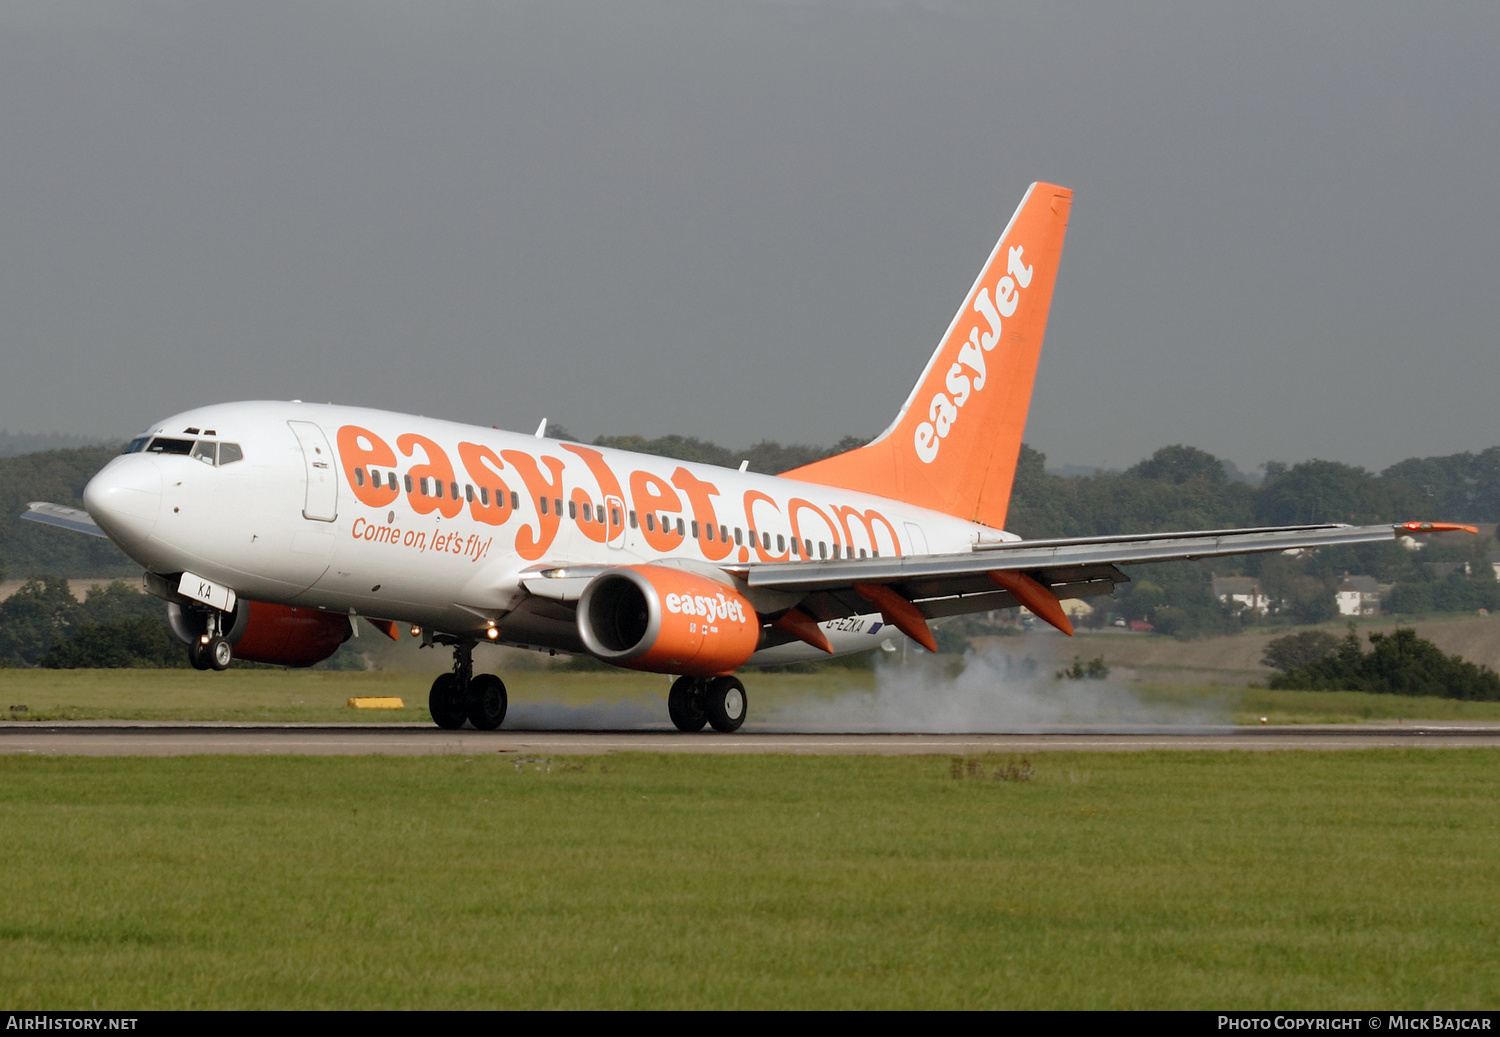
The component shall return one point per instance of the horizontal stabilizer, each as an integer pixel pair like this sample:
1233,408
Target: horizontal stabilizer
65,518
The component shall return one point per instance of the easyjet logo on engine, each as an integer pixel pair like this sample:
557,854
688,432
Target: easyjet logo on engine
967,374
717,607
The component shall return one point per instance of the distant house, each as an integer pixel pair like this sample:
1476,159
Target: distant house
1358,596
1242,589
1494,559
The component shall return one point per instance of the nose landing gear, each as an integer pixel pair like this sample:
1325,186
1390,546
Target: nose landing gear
463,695
211,650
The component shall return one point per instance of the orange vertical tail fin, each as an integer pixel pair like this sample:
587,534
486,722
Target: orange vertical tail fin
953,447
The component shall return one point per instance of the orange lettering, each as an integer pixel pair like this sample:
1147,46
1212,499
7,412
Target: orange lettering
651,495
537,485
753,497
869,518
609,486
360,448
796,505
437,468
481,463
700,496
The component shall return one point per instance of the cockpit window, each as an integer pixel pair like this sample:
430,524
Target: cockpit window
137,445
205,450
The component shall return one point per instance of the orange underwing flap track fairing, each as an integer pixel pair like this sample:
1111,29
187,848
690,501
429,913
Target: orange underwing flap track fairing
269,527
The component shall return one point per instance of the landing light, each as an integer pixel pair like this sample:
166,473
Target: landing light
492,633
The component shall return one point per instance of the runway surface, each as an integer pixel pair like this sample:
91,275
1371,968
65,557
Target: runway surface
126,738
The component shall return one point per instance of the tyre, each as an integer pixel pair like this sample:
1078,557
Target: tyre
220,653
487,702
725,704
685,704
446,704
198,655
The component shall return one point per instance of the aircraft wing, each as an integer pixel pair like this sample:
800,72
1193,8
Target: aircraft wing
65,518
1081,567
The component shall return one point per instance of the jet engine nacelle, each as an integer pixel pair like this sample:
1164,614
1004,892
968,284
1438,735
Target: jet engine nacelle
264,633
666,620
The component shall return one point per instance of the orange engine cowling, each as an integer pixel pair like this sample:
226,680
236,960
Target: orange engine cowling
290,636
666,620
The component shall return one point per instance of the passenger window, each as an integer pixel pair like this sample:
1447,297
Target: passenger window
614,516
862,552
359,477
469,494
780,543
807,548
557,506
739,538
437,489
484,495
795,552
572,509
724,534
679,527
651,522
599,514
835,552
695,529
229,453
822,549
632,519
542,505
407,480
765,541
515,499
709,531
204,451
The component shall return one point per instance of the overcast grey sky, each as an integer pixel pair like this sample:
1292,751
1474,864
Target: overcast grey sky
753,219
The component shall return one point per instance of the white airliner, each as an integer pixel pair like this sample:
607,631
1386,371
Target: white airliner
268,526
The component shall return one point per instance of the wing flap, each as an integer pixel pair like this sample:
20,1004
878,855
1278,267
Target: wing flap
1067,558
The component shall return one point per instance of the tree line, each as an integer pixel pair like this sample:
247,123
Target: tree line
1178,487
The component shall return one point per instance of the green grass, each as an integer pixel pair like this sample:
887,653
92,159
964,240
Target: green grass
1172,880
312,696
290,696
1247,705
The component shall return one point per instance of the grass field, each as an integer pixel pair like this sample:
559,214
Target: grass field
313,696
322,696
1176,880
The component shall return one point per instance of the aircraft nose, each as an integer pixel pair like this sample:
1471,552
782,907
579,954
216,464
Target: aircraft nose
125,498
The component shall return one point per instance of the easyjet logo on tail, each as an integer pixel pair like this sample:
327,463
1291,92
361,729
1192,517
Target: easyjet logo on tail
967,374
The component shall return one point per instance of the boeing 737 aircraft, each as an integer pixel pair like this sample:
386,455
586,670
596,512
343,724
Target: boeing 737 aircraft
268,527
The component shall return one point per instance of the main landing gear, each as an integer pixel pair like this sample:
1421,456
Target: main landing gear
464,695
718,701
